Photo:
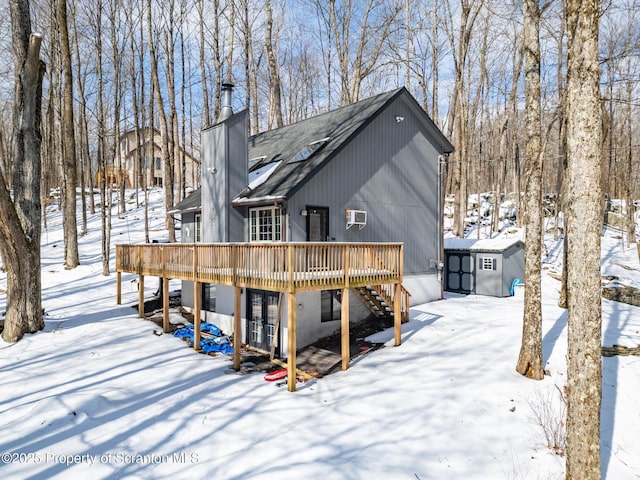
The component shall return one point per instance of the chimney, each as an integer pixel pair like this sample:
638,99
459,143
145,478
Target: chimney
226,94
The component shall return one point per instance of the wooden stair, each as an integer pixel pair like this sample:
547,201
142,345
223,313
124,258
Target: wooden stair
379,300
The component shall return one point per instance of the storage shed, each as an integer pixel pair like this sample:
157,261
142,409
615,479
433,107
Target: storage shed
483,267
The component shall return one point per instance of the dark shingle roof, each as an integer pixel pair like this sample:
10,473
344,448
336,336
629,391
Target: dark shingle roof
333,130
284,143
191,203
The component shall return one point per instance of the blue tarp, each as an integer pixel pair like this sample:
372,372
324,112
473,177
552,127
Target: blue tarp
218,343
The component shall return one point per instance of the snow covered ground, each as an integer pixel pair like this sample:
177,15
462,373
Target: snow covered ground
98,395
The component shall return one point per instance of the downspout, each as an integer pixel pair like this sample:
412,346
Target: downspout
442,160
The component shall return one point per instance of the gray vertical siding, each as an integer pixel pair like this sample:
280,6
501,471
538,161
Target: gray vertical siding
391,171
238,174
224,174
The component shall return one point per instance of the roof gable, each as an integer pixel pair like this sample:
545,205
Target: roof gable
283,160
303,148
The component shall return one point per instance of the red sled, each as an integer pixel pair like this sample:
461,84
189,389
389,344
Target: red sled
276,375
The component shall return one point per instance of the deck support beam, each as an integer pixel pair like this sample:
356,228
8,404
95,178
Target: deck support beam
397,315
165,305
141,297
118,288
196,319
237,327
344,329
291,344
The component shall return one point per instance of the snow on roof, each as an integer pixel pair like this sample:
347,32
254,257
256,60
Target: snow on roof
484,245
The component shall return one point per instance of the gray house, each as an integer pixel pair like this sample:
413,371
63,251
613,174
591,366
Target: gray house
367,172
483,267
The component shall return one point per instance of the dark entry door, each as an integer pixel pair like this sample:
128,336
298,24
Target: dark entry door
263,315
317,231
317,224
460,272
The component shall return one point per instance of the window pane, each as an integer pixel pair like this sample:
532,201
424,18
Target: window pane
330,305
197,228
265,224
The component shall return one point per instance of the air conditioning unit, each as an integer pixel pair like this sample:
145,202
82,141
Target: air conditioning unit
356,217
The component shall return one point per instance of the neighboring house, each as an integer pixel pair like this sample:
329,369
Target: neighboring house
146,147
367,172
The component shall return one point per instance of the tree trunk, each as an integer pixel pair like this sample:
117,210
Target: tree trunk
275,100
164,130
203,66
20,218
530,358
69,174
116,154
469,11
584,222
105,202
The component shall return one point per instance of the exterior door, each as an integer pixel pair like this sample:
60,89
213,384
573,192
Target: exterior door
460,274
263,315
317,231
317,224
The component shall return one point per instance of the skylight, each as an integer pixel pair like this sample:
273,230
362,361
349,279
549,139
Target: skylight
260,175
258,162
308,150
253,162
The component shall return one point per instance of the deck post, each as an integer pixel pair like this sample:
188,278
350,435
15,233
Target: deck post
196,320
397,315
197,299
237,326
141,296
118,287
344,316
165,304
291,347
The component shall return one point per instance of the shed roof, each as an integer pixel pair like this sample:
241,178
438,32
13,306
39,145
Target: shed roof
482,245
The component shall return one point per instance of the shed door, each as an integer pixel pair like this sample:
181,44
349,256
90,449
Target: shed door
460,274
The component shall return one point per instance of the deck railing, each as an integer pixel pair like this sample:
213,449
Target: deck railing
283,267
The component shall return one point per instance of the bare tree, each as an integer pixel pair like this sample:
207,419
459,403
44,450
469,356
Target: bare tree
469,11
275,100
86,167
105,195
69,172
203,67
164,129
530,358
20,218
359,57
117,52
583,225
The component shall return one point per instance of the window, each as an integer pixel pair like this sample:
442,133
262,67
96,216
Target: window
209,297
158,165
308,150
265,224
488,263
330,305
197,228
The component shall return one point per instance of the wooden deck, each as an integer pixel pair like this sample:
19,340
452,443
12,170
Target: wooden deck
287,267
